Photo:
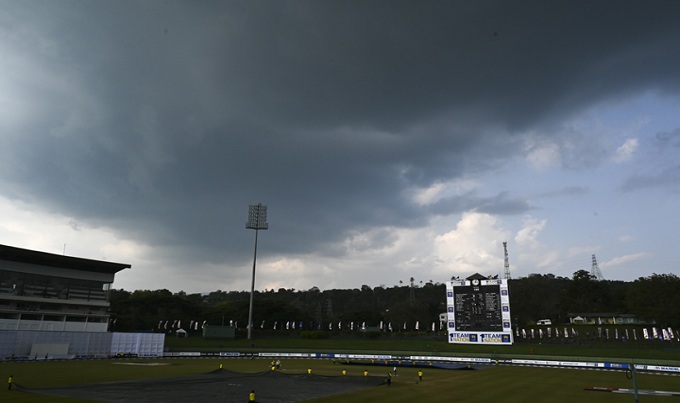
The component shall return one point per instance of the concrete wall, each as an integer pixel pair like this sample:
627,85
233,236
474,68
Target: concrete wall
25,343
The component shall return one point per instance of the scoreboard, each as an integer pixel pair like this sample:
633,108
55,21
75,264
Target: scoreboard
478,311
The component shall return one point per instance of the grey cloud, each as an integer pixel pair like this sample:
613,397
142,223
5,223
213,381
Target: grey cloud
668,140
501,204
504,205
566,191
668,180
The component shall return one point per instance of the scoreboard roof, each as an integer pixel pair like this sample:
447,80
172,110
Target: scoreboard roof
66,262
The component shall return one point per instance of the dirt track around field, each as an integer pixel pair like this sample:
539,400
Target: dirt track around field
219,386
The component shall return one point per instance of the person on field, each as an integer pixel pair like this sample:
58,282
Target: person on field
420,374
251,396
10,380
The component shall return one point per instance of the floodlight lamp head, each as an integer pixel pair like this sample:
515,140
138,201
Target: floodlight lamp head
257,217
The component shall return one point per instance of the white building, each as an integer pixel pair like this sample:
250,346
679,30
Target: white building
54,306
47,292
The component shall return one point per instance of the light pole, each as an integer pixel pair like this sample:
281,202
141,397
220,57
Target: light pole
257,220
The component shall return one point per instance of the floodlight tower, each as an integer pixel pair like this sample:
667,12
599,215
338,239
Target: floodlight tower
507,261
257,220
595,270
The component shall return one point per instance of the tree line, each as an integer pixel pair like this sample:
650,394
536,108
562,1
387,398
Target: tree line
536,296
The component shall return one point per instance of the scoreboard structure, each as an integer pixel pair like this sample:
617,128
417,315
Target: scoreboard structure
478,311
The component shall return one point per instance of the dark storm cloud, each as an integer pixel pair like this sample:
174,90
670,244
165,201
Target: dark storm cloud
165,120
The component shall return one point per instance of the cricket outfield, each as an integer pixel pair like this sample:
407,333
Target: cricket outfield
202,380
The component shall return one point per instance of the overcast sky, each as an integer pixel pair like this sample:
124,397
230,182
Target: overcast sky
388,139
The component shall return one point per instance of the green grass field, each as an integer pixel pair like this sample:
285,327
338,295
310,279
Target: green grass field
507,383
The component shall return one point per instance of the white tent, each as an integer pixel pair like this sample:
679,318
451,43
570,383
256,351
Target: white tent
578,319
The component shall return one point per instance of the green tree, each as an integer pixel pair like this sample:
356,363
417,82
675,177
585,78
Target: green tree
656,298
585,294
537,296
143,309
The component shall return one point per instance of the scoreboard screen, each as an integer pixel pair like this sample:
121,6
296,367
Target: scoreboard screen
479,311
478,308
